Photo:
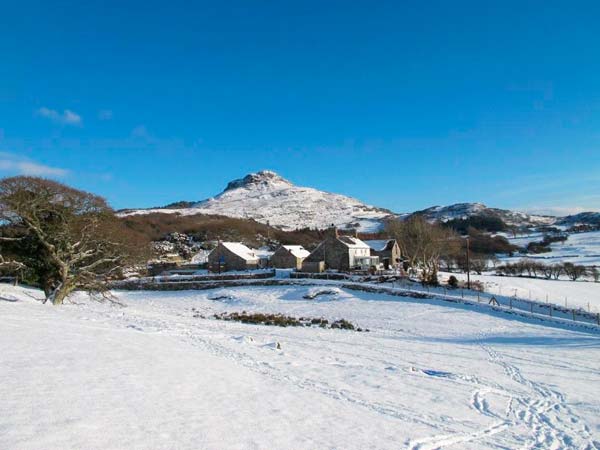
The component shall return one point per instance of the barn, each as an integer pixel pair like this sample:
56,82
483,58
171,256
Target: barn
289,257
232,256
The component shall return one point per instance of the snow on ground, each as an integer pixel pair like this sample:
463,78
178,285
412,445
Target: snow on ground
578,293
428,375
579,248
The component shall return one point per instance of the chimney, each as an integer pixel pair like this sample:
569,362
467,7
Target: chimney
333,231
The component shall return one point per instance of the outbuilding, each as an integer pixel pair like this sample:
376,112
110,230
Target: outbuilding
232,256
289,257
388,252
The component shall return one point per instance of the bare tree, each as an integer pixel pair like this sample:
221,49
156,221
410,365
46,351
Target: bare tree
479,263
80,243
423,244
574,271
557,271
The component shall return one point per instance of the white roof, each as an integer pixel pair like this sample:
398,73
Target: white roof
241,250
378,245
297,250
352,242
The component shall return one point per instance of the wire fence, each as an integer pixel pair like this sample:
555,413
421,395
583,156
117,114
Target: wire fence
509,302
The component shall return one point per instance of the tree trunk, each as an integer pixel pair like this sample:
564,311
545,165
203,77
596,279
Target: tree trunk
61,294
64,288
57,297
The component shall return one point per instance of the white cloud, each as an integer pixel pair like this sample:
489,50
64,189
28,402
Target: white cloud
67,117
105,114
17,165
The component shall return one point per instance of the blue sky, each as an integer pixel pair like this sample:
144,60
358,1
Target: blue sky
401,104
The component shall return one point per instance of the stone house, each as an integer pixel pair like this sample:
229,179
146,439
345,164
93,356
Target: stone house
343,253
388,251
289,257
232,256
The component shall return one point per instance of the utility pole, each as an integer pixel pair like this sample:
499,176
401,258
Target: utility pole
468,265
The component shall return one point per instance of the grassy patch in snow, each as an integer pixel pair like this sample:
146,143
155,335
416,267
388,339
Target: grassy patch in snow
281,320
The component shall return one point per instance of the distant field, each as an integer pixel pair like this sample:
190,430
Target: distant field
579,248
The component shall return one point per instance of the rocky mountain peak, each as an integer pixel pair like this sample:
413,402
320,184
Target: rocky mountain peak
262,178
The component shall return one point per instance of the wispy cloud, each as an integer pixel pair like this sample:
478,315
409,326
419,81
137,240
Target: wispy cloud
17,165
67,117
105,114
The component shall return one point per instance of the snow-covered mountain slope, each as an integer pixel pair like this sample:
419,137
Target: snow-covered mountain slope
584,218
268,198
466,210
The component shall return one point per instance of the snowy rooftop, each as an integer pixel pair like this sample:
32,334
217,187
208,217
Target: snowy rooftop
241,250
297,250
352,242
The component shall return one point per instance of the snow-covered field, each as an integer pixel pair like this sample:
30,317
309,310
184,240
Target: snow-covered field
579,248
578,294
151,375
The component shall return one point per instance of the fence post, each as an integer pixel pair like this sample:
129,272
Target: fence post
462,293
550,310
598,318
510,303
573,314
478,299
531,308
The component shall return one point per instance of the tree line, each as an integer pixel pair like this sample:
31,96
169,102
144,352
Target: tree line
536,269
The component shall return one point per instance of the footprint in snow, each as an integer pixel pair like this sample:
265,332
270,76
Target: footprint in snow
135,327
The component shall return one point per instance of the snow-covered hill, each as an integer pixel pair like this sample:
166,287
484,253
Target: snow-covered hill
268,198
466,210
584,218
